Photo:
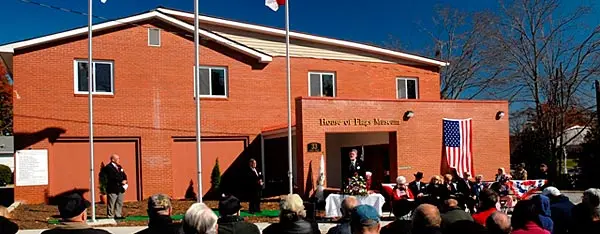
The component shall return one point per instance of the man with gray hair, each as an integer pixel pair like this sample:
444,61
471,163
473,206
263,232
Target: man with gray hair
199,219
344,227
426,219
159,212
498,223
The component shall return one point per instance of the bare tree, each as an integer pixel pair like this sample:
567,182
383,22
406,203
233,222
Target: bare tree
458,38
550,60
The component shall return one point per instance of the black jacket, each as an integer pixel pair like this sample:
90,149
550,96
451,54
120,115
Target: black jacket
161,224
236,225
453,215
422,188
296,227
74,228
253,179
350,170
342,228
114,177
397,227
7,226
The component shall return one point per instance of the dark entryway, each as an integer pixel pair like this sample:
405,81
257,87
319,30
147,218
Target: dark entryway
376,159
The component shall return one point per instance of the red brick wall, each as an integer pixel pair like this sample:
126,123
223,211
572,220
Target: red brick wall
154,94
419,139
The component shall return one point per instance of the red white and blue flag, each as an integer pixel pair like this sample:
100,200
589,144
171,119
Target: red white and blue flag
458,144
274,4
524,188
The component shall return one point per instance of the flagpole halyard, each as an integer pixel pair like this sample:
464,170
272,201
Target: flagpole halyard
289,94
197,99
91,110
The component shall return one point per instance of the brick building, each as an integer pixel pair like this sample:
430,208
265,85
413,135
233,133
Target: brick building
144,106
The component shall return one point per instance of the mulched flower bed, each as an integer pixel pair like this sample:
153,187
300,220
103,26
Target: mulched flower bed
38,216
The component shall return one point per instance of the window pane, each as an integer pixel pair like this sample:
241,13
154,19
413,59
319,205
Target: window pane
401,89
328,85
218,82
204,82
315,85
154,36
412,89
82,76
103,77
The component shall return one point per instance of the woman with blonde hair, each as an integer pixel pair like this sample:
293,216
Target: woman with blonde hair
7,226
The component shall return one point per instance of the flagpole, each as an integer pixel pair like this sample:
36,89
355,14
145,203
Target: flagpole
197,94
91,110
289,94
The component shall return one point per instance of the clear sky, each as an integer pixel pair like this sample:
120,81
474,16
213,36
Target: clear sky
356,20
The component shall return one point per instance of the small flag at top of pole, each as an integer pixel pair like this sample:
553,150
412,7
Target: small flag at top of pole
274,4
103,1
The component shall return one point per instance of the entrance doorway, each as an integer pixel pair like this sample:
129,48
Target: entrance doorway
377,158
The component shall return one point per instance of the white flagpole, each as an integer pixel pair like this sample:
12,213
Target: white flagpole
197,94
289,94
91,110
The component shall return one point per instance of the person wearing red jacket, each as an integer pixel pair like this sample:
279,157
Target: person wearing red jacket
401,190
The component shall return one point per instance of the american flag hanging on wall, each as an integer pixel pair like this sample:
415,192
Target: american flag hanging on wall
458,144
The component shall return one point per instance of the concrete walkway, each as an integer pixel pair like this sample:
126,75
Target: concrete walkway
324,227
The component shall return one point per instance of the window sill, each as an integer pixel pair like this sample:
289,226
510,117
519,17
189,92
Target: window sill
208,98
101,95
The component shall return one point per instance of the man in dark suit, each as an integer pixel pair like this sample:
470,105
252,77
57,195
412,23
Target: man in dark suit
255,184
417,187
354,167
115,186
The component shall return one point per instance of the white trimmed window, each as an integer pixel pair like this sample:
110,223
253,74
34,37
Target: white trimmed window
407,88
103,80
321,84
154,37
213,82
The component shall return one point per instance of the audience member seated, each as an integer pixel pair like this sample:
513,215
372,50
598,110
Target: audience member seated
7,226
401,190
230,221
159,212
453,213
437,191
402,224
586,215
487,206
526,220
292,218
498,223
542,204
199,219
73,211
426,220
560,210
365,220
343,227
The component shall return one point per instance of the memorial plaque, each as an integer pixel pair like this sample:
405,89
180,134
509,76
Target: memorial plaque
31,167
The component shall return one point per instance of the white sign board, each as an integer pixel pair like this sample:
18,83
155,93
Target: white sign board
31,167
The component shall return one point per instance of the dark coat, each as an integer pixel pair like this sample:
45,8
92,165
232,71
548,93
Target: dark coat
422,188
7,226
358,168
162,224
560,211
74,228
296,227
114,178
253,179
342,228
453,215
236,225
397,227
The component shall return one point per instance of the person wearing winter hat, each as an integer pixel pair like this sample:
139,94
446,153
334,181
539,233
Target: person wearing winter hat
230,220
560,209
159,213
73,211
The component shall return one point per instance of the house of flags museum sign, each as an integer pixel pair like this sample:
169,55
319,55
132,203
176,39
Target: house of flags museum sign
358,122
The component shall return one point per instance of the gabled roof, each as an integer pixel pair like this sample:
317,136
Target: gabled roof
262,57
305,37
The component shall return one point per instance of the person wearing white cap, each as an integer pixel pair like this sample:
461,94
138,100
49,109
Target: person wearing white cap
560,209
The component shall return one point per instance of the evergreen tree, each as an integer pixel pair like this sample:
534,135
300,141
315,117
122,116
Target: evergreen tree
215,177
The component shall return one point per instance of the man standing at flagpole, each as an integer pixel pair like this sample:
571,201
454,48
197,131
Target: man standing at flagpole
274,5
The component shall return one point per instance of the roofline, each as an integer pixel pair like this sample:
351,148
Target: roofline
303,36
263,58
